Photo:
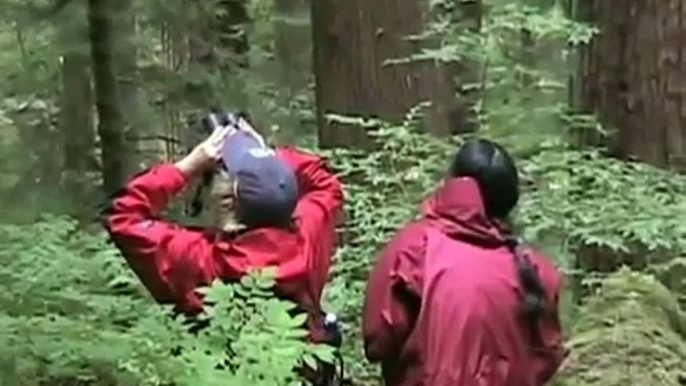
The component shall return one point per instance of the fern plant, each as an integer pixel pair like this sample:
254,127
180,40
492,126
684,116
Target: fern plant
252,338
572,199
73,314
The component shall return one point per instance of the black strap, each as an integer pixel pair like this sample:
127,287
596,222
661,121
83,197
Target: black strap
197,203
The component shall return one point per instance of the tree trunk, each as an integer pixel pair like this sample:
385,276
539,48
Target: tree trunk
111,124
633,77
76,127
76,116
352,40
126,71
126,68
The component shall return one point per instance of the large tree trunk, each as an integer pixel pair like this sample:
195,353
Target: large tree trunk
126,71
76,127
633,76
352,40
76,107
111,123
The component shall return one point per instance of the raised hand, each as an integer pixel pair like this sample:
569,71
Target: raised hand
206,154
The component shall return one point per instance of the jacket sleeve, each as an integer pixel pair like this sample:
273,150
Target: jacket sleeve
552,337
170,260
319,204
393,296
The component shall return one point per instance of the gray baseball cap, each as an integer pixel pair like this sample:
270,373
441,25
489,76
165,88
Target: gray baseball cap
267,188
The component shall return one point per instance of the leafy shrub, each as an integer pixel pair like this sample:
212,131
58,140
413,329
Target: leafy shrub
589,199
572,198
72,313
604,213
383,188
252,338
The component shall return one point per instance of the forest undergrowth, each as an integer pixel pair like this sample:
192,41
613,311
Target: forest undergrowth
73,314
72,311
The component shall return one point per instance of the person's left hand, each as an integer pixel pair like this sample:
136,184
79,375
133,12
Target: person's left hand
205,155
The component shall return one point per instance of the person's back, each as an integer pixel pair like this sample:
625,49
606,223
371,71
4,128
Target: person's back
472,337
454,300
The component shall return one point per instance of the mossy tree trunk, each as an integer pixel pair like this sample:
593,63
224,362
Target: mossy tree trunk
631,332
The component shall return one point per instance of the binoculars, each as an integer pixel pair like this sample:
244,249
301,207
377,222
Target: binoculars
221,119
207,125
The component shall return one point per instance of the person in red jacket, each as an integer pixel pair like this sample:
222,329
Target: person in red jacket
455,299
286,201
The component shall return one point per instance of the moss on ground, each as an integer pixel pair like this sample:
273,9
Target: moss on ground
632,332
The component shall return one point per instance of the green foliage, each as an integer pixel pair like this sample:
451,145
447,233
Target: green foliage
72,313
571,199
28,58
516,64
383,188
31,155
583,198
406,166
255,341
66,304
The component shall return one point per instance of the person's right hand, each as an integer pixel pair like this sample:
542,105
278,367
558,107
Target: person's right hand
205,155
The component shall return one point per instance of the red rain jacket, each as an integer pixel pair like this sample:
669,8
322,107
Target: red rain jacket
172,261
442,302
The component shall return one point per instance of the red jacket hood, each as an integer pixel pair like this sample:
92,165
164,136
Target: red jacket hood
459,209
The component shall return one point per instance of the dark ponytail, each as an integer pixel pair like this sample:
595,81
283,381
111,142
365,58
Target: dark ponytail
535,297
496,174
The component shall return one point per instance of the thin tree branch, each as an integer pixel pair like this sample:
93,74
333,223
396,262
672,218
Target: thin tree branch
156,137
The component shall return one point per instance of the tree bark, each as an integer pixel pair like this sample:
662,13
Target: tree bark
126,71
76,127
352,40
111,123
633,77
76,116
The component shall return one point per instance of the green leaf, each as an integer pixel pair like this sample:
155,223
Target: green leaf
324,353
310,360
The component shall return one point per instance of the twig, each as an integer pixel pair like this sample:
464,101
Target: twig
157,137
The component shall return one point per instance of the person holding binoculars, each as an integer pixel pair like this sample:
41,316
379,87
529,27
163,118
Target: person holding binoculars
278,208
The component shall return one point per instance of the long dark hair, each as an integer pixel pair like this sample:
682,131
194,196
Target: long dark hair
496,174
